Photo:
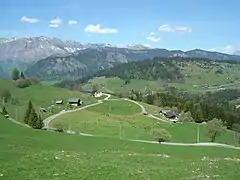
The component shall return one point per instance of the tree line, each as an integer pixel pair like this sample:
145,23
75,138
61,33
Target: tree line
203,107
166,69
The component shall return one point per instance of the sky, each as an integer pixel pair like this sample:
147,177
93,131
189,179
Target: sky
171,24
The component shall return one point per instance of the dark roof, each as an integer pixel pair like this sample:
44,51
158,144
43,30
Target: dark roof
42,109
169,113
74,100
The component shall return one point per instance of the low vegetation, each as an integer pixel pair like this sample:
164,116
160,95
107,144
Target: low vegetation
161,135
214,128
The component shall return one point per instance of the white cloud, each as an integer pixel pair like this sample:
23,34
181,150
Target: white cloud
29,20
229,49
72,22
165,28
153,38
54,23
99,30
183,28
169,28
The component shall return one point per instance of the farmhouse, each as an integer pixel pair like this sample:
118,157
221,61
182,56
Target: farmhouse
75,101
59,102
97,94
42,110
170,114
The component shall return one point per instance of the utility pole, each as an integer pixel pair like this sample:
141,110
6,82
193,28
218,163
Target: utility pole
16,114
69,125
120,131
198,135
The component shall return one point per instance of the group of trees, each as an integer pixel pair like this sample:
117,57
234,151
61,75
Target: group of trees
21,81
158,68
195,107
32,118
213,108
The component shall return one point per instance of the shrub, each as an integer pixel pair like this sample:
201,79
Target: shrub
161,135
59,128
4,111
214,128
22,83
185,117
5,95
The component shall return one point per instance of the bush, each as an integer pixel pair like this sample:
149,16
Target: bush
59,128
34,80
23,83
214,128
4,111
185,117
161,135
5,95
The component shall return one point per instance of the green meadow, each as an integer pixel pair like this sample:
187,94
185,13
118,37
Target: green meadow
34,154
42,96
122,119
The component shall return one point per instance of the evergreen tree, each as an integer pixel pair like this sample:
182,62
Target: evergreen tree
22,75
187,106
198,115
28,112
95,88
4,111
39,123
15,74
33,119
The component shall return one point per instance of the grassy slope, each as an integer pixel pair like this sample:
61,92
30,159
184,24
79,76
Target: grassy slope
112,119
41,96
32,154
198,76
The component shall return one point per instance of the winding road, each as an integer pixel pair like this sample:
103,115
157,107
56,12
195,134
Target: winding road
49,119
203,144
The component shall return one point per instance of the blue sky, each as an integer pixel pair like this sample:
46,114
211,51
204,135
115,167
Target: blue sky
171,24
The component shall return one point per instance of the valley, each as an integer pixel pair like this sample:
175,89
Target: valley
98,112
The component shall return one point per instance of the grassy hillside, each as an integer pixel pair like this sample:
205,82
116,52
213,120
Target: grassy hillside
40,95
122,119
198,77
31,154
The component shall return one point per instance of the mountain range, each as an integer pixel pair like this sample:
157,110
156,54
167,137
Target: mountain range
55,59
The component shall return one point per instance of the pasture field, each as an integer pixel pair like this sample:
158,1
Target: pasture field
33,154
196,78
115,118
42,96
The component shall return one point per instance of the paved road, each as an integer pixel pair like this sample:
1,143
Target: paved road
49,119
203,144
145,112
108,96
